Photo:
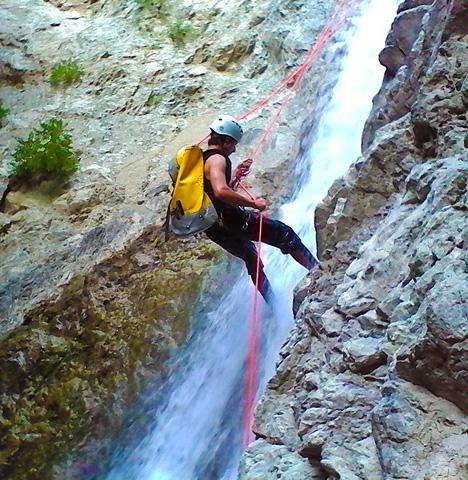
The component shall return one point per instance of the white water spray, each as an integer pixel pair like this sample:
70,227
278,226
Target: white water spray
202,417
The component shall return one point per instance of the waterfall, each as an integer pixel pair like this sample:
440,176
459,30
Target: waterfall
195,435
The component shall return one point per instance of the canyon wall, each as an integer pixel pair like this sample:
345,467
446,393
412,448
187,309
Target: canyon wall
92,301
372,384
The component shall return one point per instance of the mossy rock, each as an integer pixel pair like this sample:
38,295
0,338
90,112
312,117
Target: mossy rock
76,361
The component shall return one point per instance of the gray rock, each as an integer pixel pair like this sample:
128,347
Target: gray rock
353,461
338,413
332,322
275,420
79,199
406,28
408,4
3,185
407,423
364,354
371,320
353,305
393,58
439,354
457,22
5,222
198,71
263,461
228,55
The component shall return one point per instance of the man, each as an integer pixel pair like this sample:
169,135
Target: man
238,228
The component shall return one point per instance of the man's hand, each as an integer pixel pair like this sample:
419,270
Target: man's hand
243,168
241,171
260,204
215,172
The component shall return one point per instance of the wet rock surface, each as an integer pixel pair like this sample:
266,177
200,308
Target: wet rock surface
372,382
264,460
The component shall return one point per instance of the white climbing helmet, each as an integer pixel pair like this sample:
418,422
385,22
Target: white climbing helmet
227,125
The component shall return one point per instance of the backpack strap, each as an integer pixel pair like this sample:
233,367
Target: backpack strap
167,224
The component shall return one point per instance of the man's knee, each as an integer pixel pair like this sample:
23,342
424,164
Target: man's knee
288,240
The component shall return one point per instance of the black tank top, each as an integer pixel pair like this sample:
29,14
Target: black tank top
229,213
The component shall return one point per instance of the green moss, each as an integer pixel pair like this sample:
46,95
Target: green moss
3,112
47,151
65,73
154,100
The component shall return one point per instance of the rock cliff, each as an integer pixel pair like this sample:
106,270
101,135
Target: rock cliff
373,382
92,302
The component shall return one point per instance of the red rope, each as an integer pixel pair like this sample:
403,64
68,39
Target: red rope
253,353
295,78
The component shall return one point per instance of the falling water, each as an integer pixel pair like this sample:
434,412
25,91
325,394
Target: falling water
196,434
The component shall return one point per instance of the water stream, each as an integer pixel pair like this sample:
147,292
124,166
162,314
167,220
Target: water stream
195,435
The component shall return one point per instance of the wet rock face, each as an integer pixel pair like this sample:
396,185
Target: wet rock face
106,336
372,382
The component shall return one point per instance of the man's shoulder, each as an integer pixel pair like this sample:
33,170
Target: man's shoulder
209,153
216,158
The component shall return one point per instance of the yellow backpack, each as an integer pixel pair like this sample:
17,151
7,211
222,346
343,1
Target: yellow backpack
190,210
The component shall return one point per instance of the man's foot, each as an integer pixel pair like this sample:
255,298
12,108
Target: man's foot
325,267
267,292
305,258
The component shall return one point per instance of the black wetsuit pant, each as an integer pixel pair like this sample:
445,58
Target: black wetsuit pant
236,235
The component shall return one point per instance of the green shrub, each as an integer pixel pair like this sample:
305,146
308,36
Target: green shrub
65,73
3,111
154,100
47,150
179,31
